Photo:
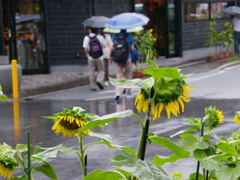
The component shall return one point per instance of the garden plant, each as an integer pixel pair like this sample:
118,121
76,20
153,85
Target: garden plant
166,90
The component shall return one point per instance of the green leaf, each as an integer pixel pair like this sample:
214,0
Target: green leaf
161,141
188,144
193,176
225,147
189,136
104,175
152,64
126,83
160,160
21,148
106,119
160,73
210,164
42,154
184,131
199,154
107,140
203,145
47,169
3,97
228,173
141,169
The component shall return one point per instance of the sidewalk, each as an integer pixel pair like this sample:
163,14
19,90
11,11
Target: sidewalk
64,77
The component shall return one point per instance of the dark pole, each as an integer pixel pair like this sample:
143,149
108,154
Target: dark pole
12,30
93,8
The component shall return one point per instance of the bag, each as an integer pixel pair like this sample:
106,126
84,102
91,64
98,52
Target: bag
95,50
120,50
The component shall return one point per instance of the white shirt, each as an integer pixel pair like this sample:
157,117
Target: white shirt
86,41
236,23
108,42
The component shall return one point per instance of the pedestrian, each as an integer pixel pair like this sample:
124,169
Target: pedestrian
106,61
93,44
236,36
123,62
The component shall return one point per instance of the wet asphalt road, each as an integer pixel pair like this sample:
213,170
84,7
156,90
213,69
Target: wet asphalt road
217,88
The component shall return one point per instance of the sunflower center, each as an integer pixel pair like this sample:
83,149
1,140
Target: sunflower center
71,126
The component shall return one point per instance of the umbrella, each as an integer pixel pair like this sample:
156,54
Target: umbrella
95,21
127,21
232,10
28,17
139,28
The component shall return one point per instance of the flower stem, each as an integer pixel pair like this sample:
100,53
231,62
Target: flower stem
82,157
201,135
143,141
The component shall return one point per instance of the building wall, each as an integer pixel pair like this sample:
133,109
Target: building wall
194,32
64,28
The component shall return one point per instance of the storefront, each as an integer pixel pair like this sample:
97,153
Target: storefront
42,34
24,34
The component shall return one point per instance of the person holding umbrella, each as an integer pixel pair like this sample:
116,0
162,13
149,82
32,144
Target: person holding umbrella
93,44
236,35
124,68
124,22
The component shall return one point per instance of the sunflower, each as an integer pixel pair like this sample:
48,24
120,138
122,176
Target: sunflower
236,118
169,94
68,122
213,117
6,170
7,162
141,100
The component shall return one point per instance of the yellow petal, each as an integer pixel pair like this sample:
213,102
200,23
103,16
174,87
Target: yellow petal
168,111
181,104
160,109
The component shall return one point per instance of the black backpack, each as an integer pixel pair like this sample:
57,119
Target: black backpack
95,50
120,50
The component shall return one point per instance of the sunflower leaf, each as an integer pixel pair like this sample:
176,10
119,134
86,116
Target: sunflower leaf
104,175
161,141
47,169
106,119
160,73
107,140
140,169
152,64
160,160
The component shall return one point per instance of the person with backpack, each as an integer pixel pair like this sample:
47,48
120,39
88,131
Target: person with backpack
108,42
120,52
93,45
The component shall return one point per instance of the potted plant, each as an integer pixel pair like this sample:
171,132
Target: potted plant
212,40
144,42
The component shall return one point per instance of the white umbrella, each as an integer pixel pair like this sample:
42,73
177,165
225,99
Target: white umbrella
232,10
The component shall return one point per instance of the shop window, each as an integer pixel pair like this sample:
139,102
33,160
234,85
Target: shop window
197,11
216,9
204,11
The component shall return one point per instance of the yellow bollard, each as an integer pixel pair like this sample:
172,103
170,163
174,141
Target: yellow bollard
16,119
15,79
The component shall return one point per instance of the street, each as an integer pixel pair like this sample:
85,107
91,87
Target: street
218,88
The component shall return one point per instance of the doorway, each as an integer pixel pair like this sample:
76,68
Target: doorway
165,21
29,31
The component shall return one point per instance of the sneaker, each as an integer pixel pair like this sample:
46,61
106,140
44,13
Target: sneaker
124,91
106,83
100,85
117,98
93,89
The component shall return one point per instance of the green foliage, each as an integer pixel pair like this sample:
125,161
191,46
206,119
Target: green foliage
2,96
233,59
145,42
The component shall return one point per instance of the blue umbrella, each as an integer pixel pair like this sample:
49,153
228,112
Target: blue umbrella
126,21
